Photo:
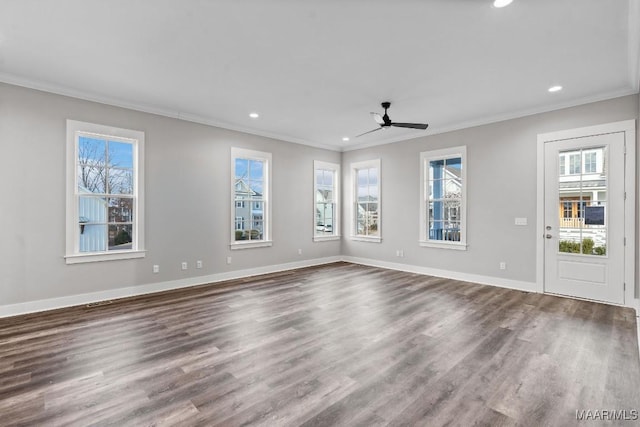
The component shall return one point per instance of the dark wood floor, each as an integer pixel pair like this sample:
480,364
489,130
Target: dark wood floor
333,345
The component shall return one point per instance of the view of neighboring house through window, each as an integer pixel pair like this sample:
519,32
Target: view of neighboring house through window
574,164
326,200
366,203
104,203
583,202
443,198
251,209
590,162
585,162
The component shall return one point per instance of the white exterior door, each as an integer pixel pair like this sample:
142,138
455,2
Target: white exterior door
584,217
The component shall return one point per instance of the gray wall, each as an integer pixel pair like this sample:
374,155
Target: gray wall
187,172
501,175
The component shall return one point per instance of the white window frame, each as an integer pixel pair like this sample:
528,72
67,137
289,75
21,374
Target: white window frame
572,166
595,162
136,138
335,168
367,164
425,158
242,153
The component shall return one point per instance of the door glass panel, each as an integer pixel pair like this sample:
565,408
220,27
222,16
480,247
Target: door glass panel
582,206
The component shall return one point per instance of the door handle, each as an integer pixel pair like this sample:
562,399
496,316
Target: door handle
548,236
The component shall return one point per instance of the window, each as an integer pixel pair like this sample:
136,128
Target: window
563,160
239,222
251,207
105,208
590,165
366,218
443,198
326,201
580,208
574,164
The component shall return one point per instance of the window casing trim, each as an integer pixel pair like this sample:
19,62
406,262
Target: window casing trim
72,246
243,153
425,158
335,167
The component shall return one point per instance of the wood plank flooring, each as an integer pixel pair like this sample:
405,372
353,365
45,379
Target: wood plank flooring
340,344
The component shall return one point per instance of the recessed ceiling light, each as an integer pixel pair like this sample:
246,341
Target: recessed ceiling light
345,138
555,88
501,3
254,115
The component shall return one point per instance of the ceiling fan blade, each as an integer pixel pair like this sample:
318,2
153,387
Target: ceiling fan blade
411,125
374,130
378,118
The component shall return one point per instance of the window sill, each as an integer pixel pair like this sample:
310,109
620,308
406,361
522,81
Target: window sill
325,238
444,245
371,239
248,245
103,256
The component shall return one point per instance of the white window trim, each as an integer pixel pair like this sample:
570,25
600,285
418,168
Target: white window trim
73,256
244,153
425,157
374,163
318,164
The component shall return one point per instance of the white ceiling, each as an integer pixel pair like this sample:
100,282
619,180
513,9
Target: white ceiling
315,69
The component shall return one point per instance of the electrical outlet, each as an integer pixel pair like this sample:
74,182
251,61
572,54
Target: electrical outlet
503,265
156,269
199,264
184,265
228,260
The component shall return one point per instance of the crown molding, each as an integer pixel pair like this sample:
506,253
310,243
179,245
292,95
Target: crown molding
149,109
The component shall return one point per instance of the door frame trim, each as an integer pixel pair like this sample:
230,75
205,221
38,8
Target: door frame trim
628,127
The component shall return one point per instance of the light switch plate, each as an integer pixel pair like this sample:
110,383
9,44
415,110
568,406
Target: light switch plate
521,221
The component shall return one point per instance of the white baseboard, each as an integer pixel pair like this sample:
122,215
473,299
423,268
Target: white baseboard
447,274
82,299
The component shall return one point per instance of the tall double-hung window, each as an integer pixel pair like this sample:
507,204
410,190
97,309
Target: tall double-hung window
251,198
366,203
443,187
326,202
105,183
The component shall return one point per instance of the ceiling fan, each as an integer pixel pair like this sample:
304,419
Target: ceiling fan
385,122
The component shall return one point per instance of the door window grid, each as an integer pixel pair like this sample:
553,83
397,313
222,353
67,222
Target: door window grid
583,195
